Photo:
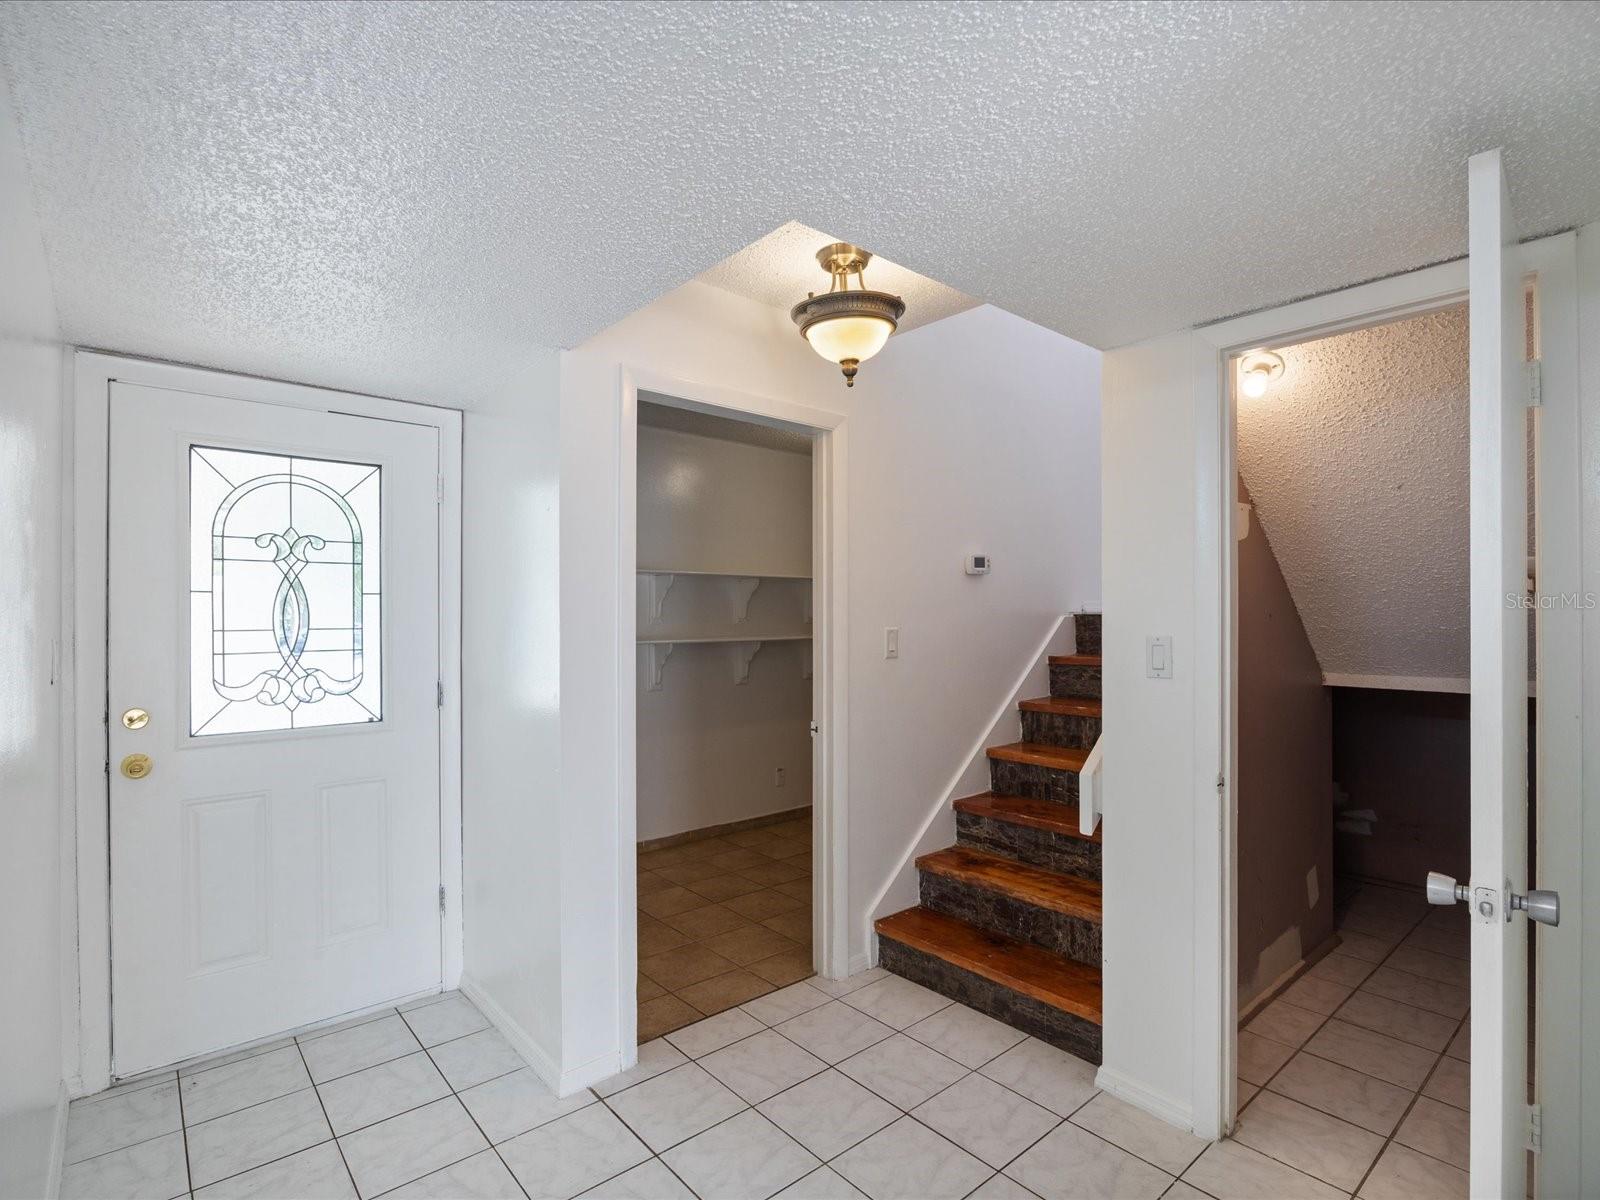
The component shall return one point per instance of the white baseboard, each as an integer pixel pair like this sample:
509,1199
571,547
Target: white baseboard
58,1145
865,961
535,1055
1173,1112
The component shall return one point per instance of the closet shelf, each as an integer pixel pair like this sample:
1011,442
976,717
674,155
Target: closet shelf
736,637
718,574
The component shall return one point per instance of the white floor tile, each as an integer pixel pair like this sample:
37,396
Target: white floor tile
910,1160
1402,1021
1342,1092
1260,1058
481,1177
424,1001
253,1136
829,1113
986,1120
714,1033
127,1086
747,1156
835,1031
144,1171
1404,1174
762,1066
1324,1147
1071,1164
655,1057
1461,1044
223,1058
223,1090
841,987
966,1035
352,1050
897,1002
822,1184
1345,969
518,1102
999,1187
1136,1131
97,1127
1230,1171
1373,1053
648,1181
1450,1082
573,1154
1283,1022
445,1021
1318,995
476,1058
904,1072
675,1106
1446,999
777,1007
315,1174
411,1145
1045,1075
355,1101
1438,1130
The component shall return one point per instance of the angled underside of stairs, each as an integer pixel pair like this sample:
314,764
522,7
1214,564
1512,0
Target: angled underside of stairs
1009,919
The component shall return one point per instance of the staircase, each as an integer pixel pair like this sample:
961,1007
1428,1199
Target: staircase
1009,922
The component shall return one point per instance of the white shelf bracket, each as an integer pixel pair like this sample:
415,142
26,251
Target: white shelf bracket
743,654
656,587
739,593
656,655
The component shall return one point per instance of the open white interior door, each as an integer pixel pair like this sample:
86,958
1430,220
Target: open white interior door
1499,689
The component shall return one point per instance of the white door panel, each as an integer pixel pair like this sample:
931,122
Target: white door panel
273,607
1499,687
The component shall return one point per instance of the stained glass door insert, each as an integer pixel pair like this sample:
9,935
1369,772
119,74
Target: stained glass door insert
285,605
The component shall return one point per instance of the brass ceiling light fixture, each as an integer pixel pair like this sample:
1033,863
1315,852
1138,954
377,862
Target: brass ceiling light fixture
847,327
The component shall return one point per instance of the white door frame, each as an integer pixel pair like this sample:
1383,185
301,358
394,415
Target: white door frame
85,845
1215,914
830,671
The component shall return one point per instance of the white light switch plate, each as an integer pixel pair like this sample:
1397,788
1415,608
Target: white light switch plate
1158,657
891,642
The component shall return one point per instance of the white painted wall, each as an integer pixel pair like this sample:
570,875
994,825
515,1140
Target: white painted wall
1148,449
511,706
31,939
975,434
708,747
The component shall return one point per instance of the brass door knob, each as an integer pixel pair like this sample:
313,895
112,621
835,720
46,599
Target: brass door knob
137,766
135,718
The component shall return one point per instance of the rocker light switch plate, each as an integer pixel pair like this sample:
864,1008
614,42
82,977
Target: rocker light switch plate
1158,657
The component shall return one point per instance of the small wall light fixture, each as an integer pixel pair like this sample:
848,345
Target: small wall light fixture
847,327
1257,370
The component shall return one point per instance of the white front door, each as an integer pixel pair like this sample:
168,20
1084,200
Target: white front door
273,653
1499,539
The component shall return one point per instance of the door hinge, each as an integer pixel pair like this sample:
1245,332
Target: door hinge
441,899
1533,1134
1535,382
439,695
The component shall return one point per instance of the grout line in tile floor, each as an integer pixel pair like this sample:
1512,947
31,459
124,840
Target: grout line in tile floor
1303,1048
301,1051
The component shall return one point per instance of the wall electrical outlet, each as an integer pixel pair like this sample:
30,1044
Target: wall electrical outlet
891,642
777,777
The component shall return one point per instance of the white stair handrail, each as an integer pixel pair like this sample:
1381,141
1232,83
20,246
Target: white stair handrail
1091,781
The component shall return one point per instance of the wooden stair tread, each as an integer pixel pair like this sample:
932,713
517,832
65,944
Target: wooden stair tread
1063,706
1065,894
1048,978
1023,810
1074,660
1041,754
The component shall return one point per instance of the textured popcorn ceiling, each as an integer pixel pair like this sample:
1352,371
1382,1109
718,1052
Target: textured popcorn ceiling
1356,459
779,269
408,198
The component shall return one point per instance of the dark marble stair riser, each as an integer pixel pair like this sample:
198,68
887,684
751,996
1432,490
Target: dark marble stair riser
1008,778
1037,847
1060,729
1071,1033
1067,680
1086,632
1072,937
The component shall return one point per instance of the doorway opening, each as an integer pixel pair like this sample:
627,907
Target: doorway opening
724,707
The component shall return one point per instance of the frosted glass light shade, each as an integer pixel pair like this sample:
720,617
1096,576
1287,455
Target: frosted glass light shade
843,338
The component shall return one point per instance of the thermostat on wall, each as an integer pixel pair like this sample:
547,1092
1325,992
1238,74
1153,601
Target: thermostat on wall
978,564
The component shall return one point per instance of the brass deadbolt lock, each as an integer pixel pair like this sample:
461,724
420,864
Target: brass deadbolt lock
137,766
135,718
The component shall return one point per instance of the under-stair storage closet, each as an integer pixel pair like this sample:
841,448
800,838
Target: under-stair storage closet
724,692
